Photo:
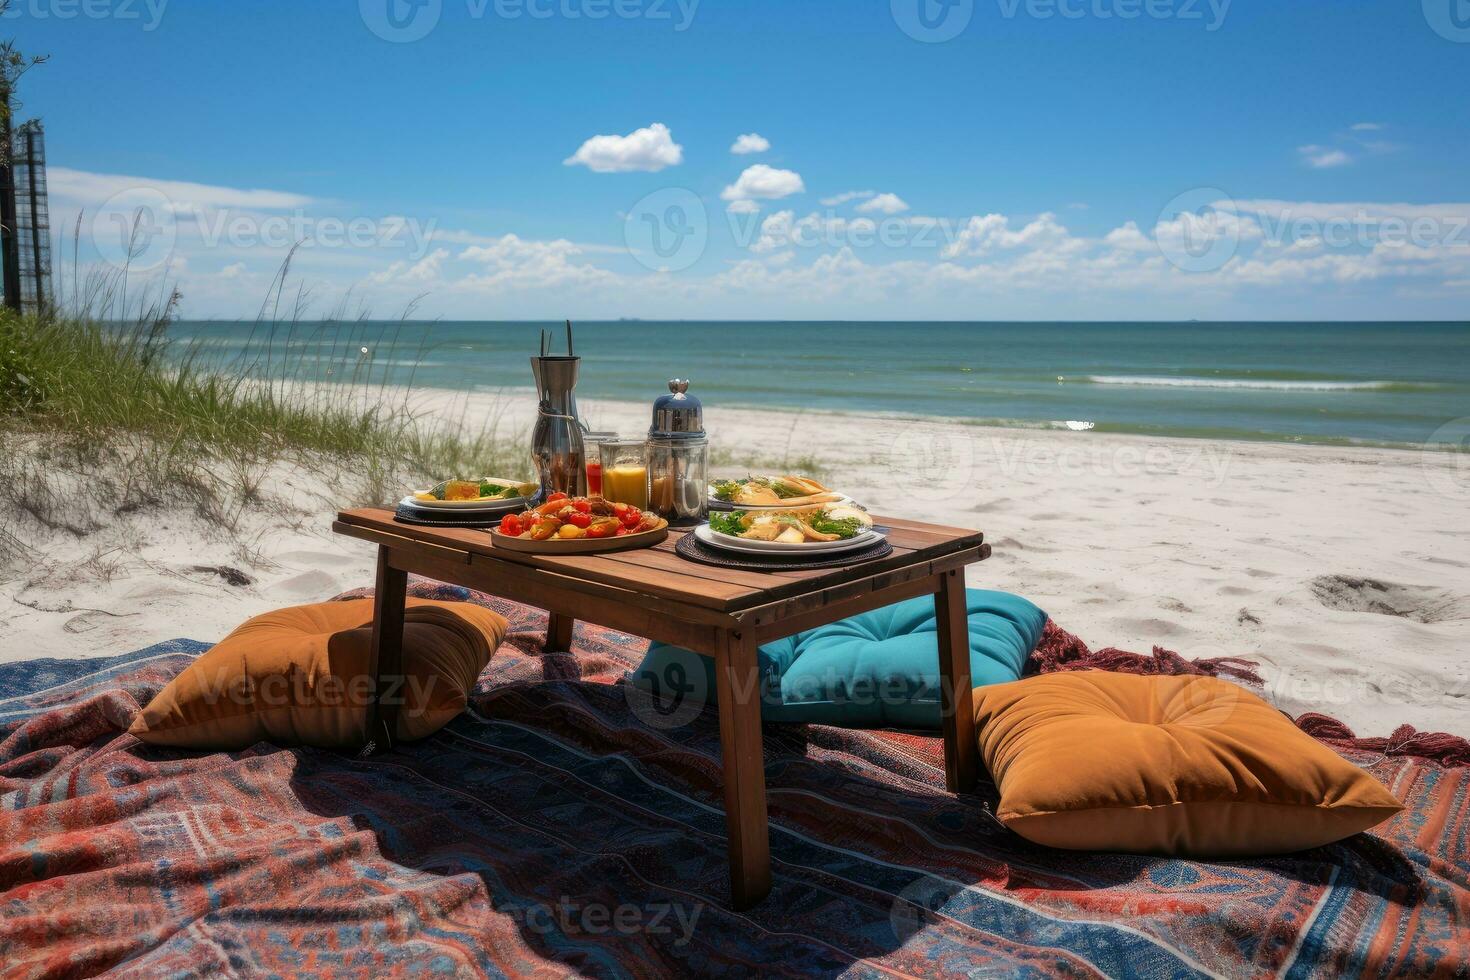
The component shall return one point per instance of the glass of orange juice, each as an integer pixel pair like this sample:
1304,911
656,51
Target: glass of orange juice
625,471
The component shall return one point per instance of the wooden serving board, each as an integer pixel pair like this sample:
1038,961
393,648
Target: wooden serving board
581,546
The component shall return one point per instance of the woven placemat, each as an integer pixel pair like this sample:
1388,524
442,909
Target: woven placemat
437,518
696,550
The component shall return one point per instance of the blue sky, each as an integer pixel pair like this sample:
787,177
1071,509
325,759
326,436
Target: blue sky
1053,159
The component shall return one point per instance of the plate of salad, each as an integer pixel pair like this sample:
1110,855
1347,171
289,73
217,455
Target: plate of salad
757,492
486,493
815,530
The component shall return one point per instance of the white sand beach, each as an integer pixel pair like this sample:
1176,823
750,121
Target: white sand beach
1344,571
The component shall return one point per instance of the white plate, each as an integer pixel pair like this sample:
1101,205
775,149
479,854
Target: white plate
728,542
842,500
469,506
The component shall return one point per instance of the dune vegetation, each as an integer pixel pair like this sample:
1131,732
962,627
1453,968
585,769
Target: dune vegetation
102,416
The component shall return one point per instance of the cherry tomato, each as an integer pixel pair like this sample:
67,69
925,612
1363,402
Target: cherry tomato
511,524
558,495
620,531
578,519
620,509
585,506
631,517
603,527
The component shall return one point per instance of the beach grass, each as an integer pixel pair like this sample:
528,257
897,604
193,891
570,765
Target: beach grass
100,417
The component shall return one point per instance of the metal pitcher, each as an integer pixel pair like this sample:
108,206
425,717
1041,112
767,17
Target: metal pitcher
556,442
678,451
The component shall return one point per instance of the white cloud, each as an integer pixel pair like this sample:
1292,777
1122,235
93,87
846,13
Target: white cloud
846,196
744,206
1366,127
993,231
512,262
750,143
1349,211
1129,238
428,269
1323,157
775,232
86,188
232,271
649,149
883,204
764,183
782,229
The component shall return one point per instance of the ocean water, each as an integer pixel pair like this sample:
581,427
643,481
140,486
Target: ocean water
1375,383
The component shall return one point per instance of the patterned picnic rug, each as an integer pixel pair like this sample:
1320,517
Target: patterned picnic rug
560,827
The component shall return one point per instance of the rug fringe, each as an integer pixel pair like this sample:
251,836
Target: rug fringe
1450,751
1059,650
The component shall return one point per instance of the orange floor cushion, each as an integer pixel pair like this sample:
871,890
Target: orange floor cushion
1190,766
298,676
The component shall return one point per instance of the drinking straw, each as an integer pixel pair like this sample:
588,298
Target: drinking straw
569,338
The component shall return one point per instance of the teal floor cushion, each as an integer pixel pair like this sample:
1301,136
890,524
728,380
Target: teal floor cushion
880,669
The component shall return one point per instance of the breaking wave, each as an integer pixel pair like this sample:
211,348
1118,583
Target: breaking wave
1145,381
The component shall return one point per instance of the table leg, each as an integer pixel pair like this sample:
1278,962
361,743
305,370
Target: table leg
738,684
385,657
559,633
961,753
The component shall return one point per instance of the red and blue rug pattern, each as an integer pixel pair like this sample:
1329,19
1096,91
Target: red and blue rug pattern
559,828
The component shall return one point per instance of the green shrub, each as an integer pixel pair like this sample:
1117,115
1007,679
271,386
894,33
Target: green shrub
20,385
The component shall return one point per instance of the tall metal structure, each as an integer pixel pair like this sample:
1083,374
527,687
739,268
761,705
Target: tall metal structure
9,253
32,216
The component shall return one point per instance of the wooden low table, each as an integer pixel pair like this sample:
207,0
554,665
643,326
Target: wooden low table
724,613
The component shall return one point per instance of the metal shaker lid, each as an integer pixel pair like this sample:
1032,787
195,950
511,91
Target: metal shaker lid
677,415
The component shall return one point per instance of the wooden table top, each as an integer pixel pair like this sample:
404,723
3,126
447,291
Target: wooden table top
659,571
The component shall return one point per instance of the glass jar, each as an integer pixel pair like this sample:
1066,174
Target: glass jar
678,457
592,440
678,471
625,471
